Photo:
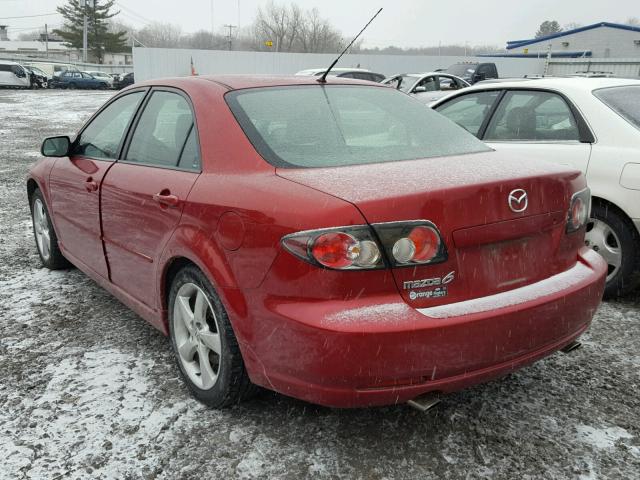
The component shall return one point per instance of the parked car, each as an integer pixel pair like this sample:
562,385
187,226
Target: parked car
427,87
124,81
72,79
337,242
105,77
474,72
591,124
358,73
37,78
13,75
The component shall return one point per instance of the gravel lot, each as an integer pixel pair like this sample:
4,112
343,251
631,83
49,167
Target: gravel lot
89,390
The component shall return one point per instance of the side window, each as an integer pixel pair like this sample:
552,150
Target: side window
346,75
448,83
429,84
103,135
190,157
537,116
161,132
469,111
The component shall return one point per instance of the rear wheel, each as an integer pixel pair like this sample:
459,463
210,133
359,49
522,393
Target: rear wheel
611,235
204,343
45,235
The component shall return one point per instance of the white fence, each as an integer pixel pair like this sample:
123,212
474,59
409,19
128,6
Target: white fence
620,67
163,62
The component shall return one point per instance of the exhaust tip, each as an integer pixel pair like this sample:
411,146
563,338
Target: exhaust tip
425,402
571,347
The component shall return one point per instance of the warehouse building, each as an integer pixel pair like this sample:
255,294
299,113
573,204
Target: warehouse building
600,40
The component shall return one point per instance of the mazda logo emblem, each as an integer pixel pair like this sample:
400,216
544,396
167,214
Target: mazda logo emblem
518,200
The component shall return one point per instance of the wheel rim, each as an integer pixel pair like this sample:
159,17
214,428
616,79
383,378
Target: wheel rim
41,227
197,336
601,238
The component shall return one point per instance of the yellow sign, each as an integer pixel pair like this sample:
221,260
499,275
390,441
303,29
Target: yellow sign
526,50
268,43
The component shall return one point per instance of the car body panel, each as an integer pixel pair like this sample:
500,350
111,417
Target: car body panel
75,203
136,228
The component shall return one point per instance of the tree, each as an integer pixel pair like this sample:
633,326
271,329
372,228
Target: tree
548,27
292,29
100,39
163,35
633,21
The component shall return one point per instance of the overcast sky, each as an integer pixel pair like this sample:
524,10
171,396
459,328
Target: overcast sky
402,23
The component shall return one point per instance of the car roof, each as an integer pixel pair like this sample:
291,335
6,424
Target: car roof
558,83
237,82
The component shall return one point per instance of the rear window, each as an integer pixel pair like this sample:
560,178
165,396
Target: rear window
625,101
336,125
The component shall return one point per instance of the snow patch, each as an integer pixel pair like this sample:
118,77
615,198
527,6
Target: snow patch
602,438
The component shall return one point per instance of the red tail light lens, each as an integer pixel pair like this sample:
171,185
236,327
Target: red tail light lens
344,248
335,250
579,210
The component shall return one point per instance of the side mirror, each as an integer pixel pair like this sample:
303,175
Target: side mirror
56,147
419,89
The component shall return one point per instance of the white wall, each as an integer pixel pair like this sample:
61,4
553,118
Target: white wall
161,62
620,67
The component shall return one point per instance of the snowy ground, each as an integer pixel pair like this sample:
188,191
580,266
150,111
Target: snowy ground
88,390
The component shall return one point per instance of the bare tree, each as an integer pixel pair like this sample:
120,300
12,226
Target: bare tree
160,35
317,35
633,21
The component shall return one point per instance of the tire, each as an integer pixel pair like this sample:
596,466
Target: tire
71,86
614,237
222,380
45,235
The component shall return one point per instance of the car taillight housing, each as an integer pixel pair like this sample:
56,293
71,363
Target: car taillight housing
365,247
579,210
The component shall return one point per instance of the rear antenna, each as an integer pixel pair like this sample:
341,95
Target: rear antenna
323,78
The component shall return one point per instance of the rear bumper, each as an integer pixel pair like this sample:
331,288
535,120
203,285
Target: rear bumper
362,353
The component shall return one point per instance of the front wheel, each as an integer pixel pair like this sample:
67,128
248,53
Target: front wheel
204,343
45,235
611,235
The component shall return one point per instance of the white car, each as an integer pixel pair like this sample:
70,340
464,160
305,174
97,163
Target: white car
427,87
359,73
592,124
14,75
105,77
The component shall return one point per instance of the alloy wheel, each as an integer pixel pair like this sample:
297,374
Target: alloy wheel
601,238
197,336
41,226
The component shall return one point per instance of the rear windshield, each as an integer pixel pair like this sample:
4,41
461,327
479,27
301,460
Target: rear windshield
336,125
625,101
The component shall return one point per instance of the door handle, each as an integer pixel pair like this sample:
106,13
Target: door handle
166,199
90,185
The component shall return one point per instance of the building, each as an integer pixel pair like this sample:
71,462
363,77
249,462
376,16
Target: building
600,40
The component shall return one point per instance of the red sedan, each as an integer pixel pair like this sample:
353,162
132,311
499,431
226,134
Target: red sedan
337,242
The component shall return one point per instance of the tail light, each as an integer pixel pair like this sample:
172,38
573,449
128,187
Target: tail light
361,248
579,210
